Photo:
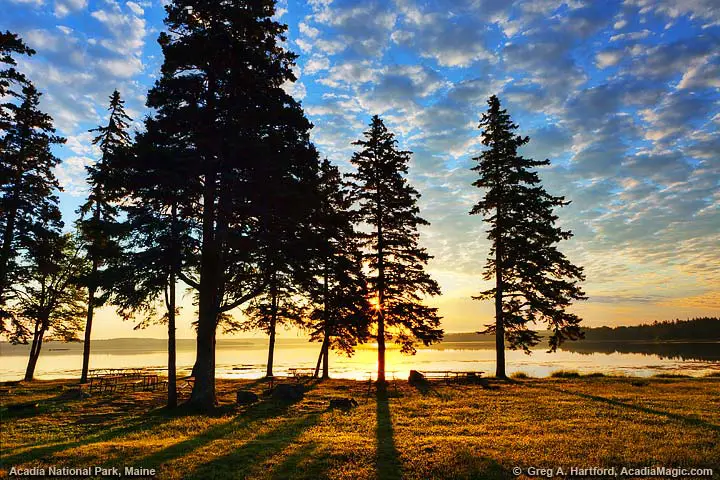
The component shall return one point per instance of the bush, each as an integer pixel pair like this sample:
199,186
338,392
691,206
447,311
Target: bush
520,376
565,374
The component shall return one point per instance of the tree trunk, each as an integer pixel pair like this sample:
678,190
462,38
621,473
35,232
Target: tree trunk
499,325
326,355
326,321
172,357
34,353
88,324
203,393
8,235
319,360
381,311
273,323
172,363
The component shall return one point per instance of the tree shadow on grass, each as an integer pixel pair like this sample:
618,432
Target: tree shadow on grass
388,461
142,423
246,460
302,463
695,422
254,413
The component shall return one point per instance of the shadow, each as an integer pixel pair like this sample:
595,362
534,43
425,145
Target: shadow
247,416
695,422
298,462
143,423
253,413
248,459
388,462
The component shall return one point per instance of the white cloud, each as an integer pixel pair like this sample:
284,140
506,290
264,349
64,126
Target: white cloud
308,31
631,36
136,9
316,64
65,7
608,58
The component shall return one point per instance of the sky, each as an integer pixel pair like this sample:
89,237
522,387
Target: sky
623,97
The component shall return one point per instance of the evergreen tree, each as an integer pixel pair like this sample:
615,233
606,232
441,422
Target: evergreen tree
50,302
341,312
533,280
156,239
388,204
98,215
28,186
221,91
11,80
284,241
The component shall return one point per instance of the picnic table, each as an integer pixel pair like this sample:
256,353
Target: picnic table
450,375
185,384
122,379
300,373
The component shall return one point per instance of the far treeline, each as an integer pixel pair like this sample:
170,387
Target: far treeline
220,192
699,329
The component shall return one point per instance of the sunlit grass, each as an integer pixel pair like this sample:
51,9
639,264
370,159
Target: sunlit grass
449,431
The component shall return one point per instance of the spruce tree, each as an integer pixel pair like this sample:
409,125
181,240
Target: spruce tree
341,313
156,240
534,281
221,91
398,280
28,187
50,305
98,215
11,80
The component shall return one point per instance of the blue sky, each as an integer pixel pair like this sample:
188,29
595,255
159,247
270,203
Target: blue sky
622,97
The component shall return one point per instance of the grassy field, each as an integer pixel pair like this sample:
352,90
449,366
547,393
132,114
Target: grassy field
442,432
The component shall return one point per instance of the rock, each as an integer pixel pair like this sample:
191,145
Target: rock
246,397
416,378
286,392
73,394
343,403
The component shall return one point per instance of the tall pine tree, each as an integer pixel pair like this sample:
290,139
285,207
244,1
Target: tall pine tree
221,91
398,280
534,282
98,215
157,242
28,188
341,313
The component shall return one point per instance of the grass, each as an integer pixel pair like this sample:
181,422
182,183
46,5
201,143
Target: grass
455,431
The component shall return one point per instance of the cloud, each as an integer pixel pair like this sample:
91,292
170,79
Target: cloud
65,7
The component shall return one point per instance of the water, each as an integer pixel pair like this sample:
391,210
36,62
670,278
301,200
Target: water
246,358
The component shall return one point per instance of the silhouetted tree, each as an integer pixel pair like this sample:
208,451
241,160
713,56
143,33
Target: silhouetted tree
28,186
157,243
11,80
221,91
284,239
341,313
50,302
533,280
388,204
98,215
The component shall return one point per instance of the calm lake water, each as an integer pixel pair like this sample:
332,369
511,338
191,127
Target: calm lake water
246,358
